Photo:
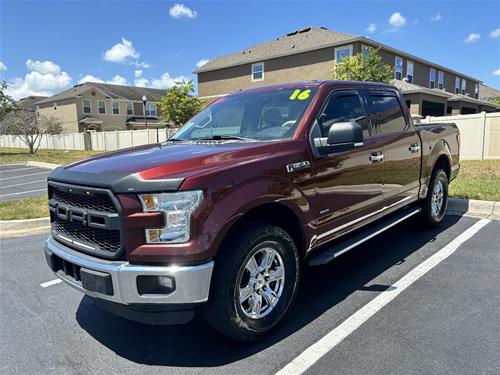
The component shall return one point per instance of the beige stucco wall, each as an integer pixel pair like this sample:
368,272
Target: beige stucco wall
310,65
66,113
304,66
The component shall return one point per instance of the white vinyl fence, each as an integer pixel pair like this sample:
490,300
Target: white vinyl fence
479,134
99,141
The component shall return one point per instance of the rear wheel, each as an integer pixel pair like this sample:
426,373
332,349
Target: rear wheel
255,282
435,203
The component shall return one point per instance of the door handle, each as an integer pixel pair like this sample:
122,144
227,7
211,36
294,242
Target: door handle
414,148
376,157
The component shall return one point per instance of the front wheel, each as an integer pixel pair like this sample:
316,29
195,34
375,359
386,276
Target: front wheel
255,282
435,203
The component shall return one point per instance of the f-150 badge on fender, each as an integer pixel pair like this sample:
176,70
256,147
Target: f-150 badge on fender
297,166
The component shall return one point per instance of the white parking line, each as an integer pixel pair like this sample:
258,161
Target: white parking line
25,175
25,183
50,283
316,351
16,170
22,192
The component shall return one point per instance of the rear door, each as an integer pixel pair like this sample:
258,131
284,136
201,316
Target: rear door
348,184
401,146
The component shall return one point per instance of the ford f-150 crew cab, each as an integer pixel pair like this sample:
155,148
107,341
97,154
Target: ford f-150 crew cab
221,218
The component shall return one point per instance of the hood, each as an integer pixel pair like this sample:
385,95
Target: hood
159,167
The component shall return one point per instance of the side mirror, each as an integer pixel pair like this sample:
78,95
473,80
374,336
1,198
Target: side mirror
342,136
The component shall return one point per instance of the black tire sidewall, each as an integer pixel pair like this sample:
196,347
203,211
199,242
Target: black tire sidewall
438,175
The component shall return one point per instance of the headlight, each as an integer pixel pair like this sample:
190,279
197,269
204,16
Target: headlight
177,208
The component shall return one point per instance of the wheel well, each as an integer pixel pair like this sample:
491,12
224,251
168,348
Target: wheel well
444,163
281,216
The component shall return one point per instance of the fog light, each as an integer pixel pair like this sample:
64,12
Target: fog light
155,285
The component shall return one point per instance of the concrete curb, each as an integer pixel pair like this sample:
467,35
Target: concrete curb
18,228
474,208
41,164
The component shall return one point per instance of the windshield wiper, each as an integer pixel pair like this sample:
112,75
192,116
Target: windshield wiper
222,137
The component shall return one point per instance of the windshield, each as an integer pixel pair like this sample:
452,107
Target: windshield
270,115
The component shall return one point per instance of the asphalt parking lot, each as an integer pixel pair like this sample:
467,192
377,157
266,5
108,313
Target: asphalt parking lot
446,321
21,181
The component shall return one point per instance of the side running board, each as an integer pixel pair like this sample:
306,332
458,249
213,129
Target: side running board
364,234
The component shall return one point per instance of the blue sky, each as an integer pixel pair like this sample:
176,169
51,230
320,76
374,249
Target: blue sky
46,46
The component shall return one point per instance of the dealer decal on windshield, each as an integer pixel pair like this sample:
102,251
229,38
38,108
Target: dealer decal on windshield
300,95
298,166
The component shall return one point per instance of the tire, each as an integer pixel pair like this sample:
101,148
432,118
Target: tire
436,202
232,275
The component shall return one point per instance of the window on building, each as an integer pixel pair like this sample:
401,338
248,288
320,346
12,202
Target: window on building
341,52
457,85
398,67
101,105
116,108
387,113
409,71
432,78
440,80
476,90
464,85
150,109
342,108
87,106
54,107
258,72
130,108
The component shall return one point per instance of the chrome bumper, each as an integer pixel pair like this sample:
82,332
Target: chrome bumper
192,283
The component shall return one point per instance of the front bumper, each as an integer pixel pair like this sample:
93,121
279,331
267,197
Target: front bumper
116,281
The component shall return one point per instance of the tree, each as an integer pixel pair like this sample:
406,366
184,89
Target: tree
29,127
179,105
495,100
363,67
6,102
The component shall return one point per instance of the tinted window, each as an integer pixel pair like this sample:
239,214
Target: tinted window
344,108
387,113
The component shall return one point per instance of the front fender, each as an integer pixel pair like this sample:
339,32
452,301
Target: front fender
250,194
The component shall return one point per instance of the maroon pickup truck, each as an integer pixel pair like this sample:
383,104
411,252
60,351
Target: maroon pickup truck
220,219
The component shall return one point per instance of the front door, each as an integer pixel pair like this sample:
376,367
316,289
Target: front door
348,184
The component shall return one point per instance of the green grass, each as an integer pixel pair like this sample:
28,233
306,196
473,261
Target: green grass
478,179
28,208
13,155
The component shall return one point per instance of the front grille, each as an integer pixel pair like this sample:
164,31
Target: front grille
96,202
86,219
105,240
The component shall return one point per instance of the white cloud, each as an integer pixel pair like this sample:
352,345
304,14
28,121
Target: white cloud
166,81
44,78
180,10
43,67
396,20
472,38
116,80
202,62
436,17
141,82
496,72
122,52
3,67
137,73
90,78
495,33
372,27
